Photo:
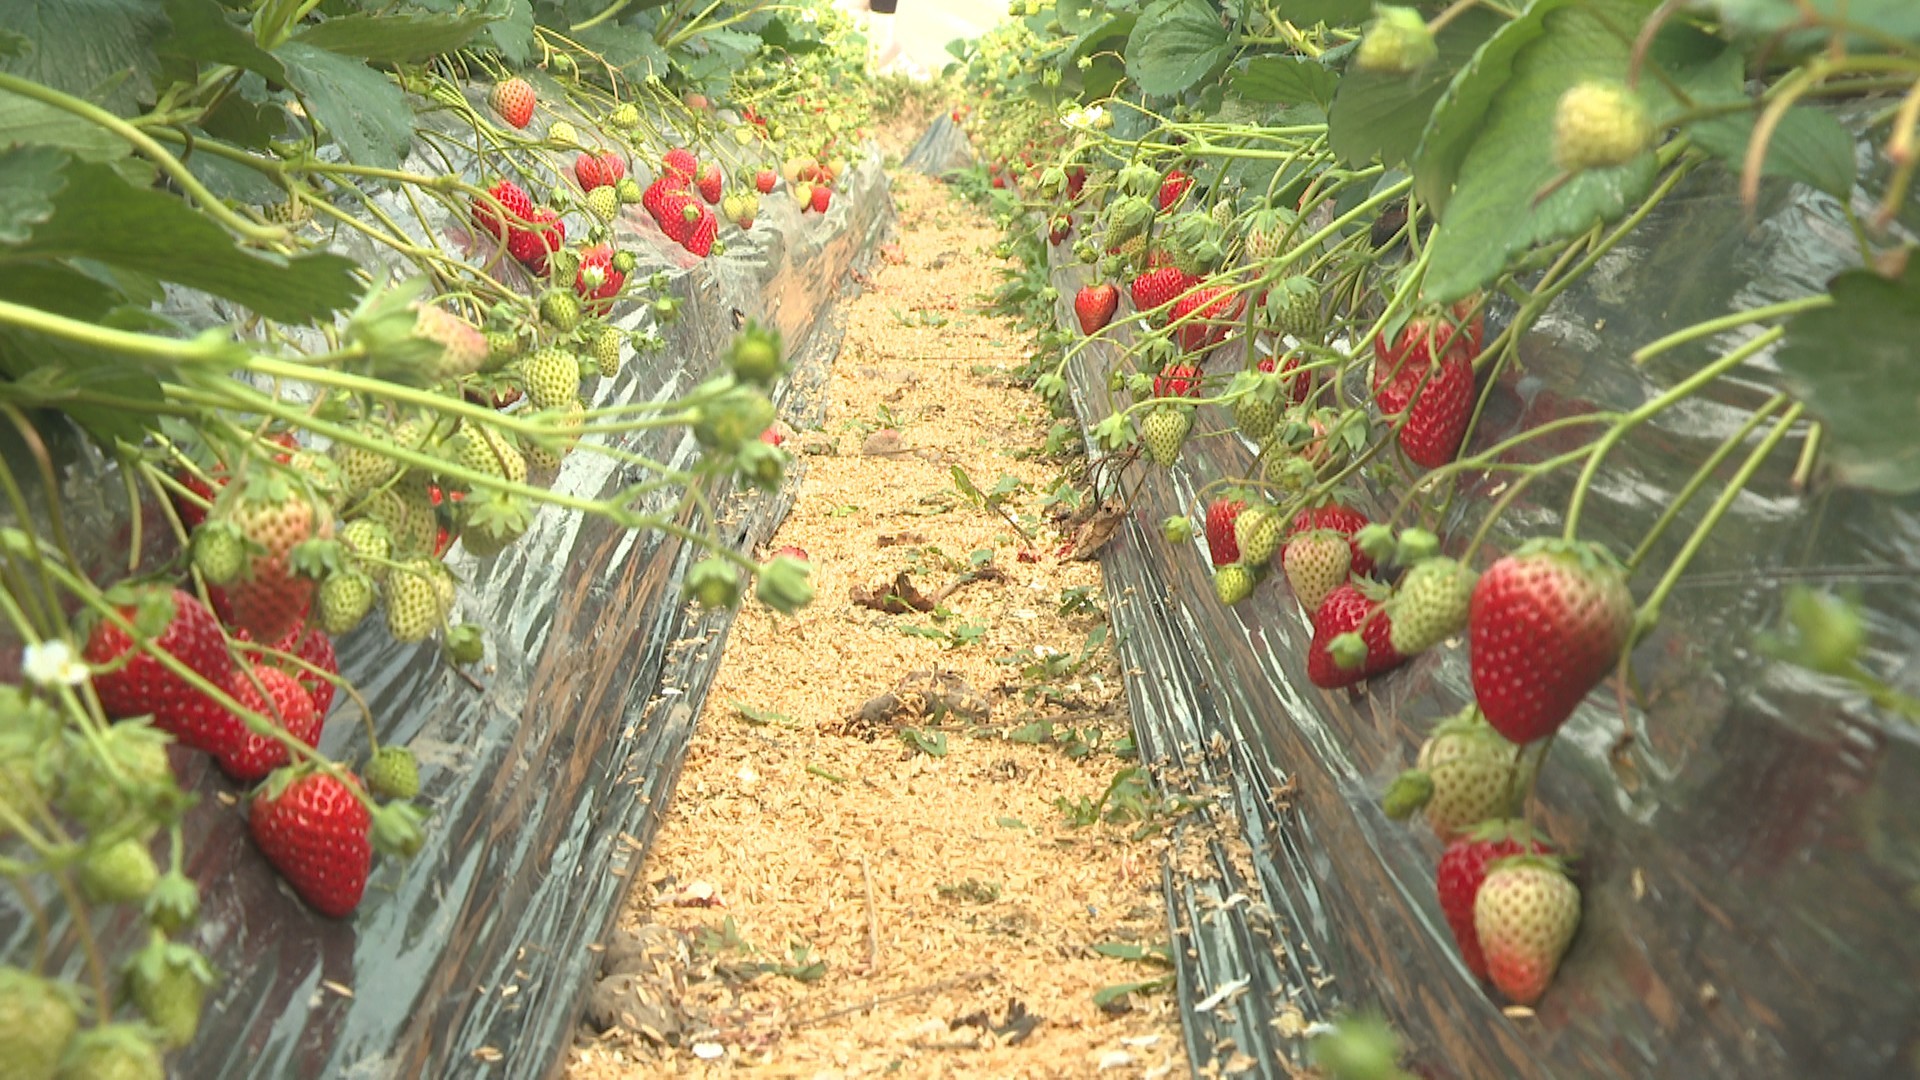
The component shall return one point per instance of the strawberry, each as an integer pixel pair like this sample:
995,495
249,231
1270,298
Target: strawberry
598,281
653,198
603,203
1162,433
1399,368
1350,609
764,180
1095,305
1397,42
606,344
1173,189
1233,583
142,685
1177,380
1221,544
1545,624
314,830
1430,605
1159,287
315,647
462,347
343,600
1059,229
514,201
1463,869
534,245
822,198
1294,307
613,167
274,516
1475,775
681,163
38,1021
1438,414
1525,916
514,100
675,206
701,237
1205,317
588,172
412,594
1340,519
1254,413
1256,531
114,1052
709,182
274,694
168,982
1316,562
1076,181
119,872
393,773
1599,124
1299,383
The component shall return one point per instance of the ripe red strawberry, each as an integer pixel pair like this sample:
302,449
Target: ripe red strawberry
675,204
1546,623
533,245
1221,545
1398,368
314,830
822,198
598,280
708,181
1058,231
1525,915
680,162
1340,519
1177,380
613,166
1076,181
1437,410
313,646
518,207
514,100
701,237
1299,383
1159,287
1095,305
1348,609
654,197
589,173
1209,313
274,515
142,685
1316,562
764,180
1462,870
249,755
1173,188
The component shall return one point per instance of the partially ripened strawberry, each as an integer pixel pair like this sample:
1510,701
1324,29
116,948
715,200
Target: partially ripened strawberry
1430,605
514,100
1095,305
142,685
1177,380
314,830
1221,546
1545,625
1350,609
273,694
764,180
1463,869
1159,287
1341,519
1204,316
517,207
1474,773
1316,562
1173,189
274,515
1525,915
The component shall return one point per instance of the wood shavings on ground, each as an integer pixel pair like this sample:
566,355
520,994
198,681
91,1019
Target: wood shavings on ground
904,841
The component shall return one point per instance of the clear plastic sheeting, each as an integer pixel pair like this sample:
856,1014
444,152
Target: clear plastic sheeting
546,771
1745,838
941,150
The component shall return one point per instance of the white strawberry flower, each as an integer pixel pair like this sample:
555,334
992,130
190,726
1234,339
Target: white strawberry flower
53,663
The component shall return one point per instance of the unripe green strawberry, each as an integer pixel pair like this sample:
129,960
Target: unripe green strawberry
121,872
370,542
1476,774
494,520
624,117
560,309
1233,582
38,1020
727,422
1256,531
114,1052
1397,42
1294,307
1222,213
502,347
489,453
1316,562
552,378
412,600
363,468
218,552
625,261
120,772
1162,433
290,212
629,192
1266,230
1127,219
1525,915
168,983
734,205
561,131
755,355
1255,413
606,350
1599,124
344,599
1430,605
393,773
713,582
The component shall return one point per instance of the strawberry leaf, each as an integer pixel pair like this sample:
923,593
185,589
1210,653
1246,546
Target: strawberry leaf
1864,393
1380,115
362,109
397,37
100,50
1174,45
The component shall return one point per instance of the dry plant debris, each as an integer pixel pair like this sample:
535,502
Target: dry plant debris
909,841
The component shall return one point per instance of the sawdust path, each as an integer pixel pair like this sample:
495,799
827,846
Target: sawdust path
833,896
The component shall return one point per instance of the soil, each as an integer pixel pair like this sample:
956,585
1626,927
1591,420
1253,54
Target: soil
908,841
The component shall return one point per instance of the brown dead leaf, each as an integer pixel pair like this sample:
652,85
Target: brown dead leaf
897,598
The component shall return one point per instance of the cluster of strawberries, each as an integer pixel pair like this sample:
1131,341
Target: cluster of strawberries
533,235
681,200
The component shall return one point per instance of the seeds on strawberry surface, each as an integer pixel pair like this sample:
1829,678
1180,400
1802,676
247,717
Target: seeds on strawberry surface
513,99
1525,915
1545,625
315,831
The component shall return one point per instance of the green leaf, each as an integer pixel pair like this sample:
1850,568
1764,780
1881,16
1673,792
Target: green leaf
930,743
1377,115
51,364
1496,211
396,38
1174,45
362,109
1865,390
24,121
1879,18
29,179
79,46
202,32
99,217
1809,146
1286,80
636,56
1109,996
1068,12
512,34
1305,13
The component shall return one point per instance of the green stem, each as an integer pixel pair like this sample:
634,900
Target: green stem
1699,479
